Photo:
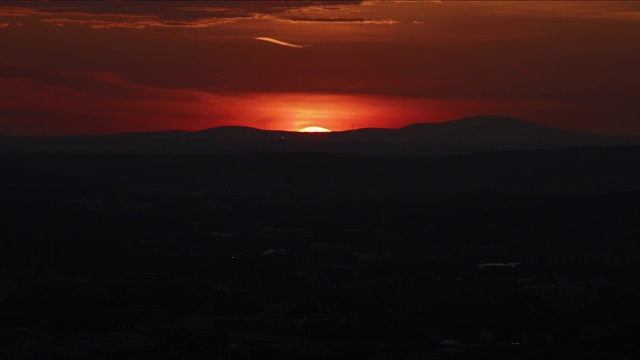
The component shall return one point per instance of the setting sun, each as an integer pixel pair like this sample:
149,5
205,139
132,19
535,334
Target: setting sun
314,129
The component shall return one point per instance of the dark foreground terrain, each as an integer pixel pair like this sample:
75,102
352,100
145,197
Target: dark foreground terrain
496,255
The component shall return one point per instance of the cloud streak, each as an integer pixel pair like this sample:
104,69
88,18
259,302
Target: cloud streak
338,20
128,17
132,15
275,41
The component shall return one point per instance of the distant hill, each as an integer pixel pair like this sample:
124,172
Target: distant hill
471,134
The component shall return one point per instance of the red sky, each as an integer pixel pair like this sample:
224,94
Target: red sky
107,67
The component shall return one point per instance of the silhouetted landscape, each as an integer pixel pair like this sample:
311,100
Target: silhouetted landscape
472,134
482,238
327,179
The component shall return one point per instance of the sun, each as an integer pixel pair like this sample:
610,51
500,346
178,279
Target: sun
314,129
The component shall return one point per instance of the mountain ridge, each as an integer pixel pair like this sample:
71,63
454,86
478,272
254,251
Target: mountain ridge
464,135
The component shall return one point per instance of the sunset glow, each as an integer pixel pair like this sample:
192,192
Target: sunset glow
314,129
319,179
292,65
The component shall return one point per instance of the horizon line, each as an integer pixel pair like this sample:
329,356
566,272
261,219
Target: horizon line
312,133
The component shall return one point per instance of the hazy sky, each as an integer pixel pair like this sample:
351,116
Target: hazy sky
105,67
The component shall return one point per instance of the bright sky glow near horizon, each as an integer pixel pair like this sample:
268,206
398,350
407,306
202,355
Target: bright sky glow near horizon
108,67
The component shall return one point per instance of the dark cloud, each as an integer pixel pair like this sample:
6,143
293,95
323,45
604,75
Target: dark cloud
141,14
133,16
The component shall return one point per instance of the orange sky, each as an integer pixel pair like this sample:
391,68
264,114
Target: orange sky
105,67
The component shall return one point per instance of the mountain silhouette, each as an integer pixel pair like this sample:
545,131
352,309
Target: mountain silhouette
470,134
493,129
